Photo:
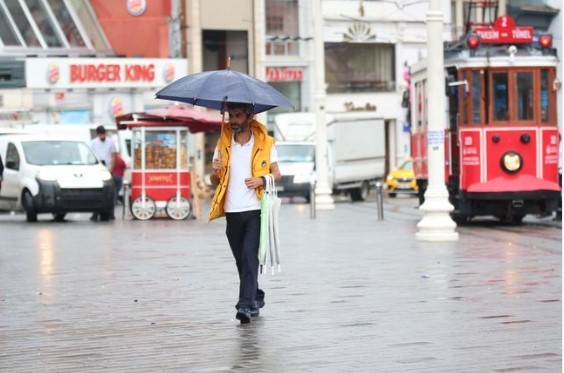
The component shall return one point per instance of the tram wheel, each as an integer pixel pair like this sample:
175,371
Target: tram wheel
143,209
511,219
178,209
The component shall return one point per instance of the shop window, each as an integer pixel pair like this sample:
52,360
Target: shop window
291,90
12,158
22,22
7,33
44,23
359,67
525,96
500,96
67,23
282,27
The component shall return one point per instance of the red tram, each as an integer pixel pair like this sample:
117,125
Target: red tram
501,140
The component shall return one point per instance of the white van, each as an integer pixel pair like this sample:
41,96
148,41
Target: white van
53,174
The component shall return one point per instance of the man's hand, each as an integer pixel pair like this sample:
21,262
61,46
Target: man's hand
254,182
217,164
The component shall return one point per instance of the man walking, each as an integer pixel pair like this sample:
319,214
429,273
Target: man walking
243,156
105,150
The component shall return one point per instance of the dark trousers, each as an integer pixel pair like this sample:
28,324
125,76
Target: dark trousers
118,182
243,234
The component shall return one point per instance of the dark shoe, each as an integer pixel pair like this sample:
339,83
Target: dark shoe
255,312
244,315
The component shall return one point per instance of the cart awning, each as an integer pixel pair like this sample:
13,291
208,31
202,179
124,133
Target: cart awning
172,115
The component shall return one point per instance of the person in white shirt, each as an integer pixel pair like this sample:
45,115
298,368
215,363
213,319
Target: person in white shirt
105,151
104,148
245,153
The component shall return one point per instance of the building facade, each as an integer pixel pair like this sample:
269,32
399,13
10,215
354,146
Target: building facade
80,61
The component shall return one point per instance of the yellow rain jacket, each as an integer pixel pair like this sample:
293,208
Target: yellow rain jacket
260,163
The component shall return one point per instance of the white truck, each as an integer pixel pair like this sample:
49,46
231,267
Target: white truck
356,153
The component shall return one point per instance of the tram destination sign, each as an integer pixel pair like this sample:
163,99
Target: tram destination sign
504,31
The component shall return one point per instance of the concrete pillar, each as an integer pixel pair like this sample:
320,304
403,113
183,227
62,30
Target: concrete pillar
194,66
259,26
436,224
459,19
502,8
323,199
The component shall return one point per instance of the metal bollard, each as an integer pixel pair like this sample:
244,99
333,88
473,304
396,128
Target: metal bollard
126,191
379,200
312,200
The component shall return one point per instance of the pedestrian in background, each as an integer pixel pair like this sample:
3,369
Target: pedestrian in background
117,174
105,150
243,156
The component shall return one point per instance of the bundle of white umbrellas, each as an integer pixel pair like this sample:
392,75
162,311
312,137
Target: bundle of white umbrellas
269,248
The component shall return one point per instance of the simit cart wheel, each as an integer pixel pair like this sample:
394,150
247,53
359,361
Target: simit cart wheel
144,211
178,210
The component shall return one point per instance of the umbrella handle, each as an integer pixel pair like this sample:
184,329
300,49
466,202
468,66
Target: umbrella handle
218,172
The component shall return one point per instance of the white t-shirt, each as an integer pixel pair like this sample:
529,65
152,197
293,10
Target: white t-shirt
104,150
238,197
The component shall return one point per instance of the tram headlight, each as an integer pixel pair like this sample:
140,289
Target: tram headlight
511,162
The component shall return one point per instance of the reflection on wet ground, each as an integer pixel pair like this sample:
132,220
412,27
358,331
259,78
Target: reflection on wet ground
355,294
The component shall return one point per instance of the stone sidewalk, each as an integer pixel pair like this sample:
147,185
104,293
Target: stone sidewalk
355,294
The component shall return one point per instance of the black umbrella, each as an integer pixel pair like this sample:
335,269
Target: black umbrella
212,89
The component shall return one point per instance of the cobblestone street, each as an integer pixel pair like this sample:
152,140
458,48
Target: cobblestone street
355,295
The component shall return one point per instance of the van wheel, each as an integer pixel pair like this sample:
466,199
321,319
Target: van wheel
30,214
360,194
105,215
60,216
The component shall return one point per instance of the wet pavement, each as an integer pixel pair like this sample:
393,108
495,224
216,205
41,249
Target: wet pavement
355,294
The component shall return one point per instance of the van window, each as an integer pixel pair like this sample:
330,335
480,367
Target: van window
12,157
53,153
295,153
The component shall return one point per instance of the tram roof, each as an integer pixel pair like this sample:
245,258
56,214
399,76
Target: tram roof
493,56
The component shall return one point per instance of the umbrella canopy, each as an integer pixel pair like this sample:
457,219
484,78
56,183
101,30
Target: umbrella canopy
172,115
213,88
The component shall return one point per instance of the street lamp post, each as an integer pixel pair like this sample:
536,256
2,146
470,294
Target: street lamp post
436,224
323,199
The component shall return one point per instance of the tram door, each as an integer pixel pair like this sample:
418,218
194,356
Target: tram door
453,117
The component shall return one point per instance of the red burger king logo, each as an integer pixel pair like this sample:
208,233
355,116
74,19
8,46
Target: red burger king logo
136,7
116,107
168,72
53,73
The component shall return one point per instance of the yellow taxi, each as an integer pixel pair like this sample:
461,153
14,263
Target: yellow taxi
402,179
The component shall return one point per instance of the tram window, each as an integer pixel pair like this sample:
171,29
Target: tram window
463,94
476,97
501,99
525,96
545,97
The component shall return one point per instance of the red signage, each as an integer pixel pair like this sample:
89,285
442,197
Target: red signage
284,74
80,73
504,31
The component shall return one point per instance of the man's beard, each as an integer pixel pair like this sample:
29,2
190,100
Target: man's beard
240,129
